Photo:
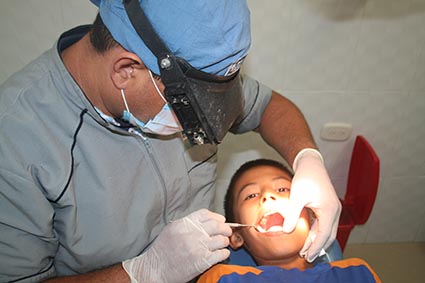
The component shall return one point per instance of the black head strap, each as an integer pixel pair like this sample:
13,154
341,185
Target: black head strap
144,28
171,67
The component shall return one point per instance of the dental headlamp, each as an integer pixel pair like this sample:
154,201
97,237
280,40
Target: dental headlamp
206,105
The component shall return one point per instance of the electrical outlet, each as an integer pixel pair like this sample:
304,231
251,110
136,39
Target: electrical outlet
336,131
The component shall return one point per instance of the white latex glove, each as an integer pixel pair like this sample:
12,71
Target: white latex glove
312,188
183,250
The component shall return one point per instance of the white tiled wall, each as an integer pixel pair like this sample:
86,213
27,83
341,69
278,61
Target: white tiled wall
29,27
360,62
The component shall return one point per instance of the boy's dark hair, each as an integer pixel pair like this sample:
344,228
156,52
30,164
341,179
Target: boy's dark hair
100,37
228,199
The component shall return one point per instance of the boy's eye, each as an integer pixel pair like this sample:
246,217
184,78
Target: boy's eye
251,196
283,190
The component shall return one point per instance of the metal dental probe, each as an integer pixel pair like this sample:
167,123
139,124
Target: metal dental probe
234,225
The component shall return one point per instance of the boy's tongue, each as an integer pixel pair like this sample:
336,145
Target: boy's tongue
273,220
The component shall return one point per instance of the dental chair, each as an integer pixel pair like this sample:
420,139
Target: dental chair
362,188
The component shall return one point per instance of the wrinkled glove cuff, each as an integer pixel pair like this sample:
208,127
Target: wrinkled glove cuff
127,264
304,152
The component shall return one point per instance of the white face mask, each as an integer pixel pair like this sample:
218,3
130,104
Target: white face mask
164,123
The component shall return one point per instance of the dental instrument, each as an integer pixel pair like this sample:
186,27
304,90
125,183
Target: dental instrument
235,225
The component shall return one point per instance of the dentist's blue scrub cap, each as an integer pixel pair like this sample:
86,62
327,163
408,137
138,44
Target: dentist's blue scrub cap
212,35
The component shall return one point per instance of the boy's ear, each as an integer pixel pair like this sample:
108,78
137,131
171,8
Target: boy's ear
124,68
236,240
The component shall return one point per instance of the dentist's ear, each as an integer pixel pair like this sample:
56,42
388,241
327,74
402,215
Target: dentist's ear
236,240
123,69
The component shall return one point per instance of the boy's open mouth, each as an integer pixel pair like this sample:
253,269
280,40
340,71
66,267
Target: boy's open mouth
271,222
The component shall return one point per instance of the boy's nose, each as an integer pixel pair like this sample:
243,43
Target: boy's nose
268,197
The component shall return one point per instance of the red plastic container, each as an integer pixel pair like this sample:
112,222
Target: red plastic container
362,188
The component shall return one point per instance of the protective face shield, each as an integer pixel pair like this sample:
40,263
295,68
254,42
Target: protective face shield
206,105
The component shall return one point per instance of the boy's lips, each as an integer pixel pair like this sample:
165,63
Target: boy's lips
271,221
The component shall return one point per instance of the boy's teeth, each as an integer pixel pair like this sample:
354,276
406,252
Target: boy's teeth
271,229
275,229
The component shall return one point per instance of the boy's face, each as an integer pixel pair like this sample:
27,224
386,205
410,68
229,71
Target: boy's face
260,197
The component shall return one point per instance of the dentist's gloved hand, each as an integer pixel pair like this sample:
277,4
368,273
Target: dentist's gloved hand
183,250
312,188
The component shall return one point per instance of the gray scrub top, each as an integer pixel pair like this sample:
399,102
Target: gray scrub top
78,193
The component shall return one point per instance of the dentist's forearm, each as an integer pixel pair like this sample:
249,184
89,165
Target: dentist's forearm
284,127
115,274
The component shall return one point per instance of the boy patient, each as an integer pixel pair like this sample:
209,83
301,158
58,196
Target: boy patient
258,194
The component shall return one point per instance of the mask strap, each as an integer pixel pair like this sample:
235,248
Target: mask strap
156,87
125,101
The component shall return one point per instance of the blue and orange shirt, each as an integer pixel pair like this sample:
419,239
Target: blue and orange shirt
348,271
